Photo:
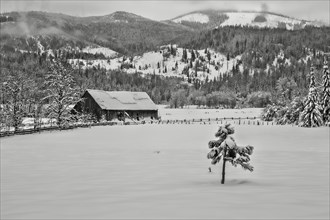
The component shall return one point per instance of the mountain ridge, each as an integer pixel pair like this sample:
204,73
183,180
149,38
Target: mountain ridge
210,19
123,32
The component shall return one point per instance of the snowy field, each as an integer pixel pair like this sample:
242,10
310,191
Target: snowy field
192,112
161,171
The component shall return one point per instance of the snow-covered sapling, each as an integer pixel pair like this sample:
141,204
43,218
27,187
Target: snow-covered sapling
225,148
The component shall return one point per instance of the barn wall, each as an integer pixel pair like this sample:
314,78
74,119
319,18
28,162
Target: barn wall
138,114
89,105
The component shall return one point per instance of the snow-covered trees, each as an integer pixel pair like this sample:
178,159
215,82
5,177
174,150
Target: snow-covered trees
62,93
259,99
311,116
178,99
14,89
325,101
313,111
226,149
286,87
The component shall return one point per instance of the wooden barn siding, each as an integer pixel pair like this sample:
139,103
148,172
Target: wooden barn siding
89,105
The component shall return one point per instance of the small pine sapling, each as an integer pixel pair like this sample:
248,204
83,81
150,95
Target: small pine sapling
225,148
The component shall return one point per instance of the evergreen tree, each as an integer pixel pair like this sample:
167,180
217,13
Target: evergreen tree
208,56
311,116
173,50
325,102
226,149
184,55
193,56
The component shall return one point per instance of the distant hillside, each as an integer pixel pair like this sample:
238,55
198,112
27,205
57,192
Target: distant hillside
124,33
214,18
121,31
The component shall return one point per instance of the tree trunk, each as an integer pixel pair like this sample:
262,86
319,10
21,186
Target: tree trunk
224,166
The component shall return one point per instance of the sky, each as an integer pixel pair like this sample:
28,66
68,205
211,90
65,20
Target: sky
167,9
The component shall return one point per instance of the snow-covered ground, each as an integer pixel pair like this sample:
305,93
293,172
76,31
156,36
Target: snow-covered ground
241,18
100,50
195,17
247,19
161,171
193,113
154,62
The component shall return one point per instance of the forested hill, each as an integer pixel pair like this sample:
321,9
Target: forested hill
272,61
123,32
260,48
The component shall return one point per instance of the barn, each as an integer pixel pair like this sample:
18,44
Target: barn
111,105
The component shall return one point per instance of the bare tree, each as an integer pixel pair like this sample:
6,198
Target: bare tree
14,88
62,93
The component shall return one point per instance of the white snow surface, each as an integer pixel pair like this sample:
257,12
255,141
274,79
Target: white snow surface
100,50
148,64
247,19
191,112
195,17
161,171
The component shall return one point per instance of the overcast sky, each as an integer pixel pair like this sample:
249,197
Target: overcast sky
162,10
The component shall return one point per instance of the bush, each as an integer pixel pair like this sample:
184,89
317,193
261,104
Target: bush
269,113
284,114
259,99
178,99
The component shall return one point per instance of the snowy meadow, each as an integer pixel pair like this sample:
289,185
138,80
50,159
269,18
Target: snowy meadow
161,171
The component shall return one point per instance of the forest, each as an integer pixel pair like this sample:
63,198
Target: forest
259,85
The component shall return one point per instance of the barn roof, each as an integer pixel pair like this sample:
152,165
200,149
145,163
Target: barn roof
122,100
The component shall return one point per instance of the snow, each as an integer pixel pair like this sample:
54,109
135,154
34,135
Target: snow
193,113
247,19
100,50
120,21
152,58
112,65
195,17
161,171
40,47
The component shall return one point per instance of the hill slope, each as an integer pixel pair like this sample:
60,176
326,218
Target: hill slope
213,18
121,31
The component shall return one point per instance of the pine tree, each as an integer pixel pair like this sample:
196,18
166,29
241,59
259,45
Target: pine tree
311,116
325,102
209,56
193,56
184,55
226,149
62,93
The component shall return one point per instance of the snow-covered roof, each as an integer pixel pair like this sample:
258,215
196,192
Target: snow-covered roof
122,100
